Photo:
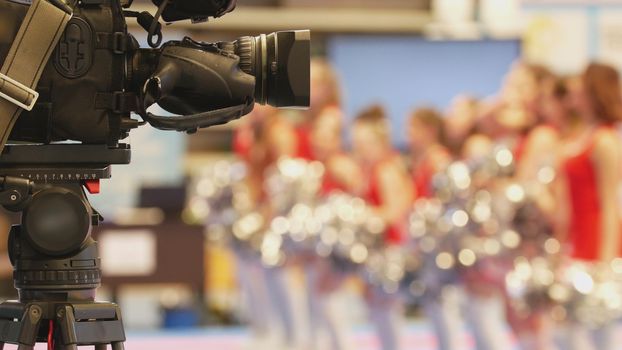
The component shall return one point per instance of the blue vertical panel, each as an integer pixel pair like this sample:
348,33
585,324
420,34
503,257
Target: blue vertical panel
404,72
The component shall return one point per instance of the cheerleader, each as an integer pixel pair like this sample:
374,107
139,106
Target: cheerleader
589,224
459,122
341,174
260,142
426,135
248,148
475,296
389,192
318,138
535,331
516,120
325,98
484,309
256,144
282,142
506,118
425,132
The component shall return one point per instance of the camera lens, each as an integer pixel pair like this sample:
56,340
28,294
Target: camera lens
280,64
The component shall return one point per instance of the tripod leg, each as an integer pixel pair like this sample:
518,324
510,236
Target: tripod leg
66,322
31,320
118,345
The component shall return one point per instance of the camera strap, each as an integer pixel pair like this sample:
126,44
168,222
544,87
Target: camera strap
36,39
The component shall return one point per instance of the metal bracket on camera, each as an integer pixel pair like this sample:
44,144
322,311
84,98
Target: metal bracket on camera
11,90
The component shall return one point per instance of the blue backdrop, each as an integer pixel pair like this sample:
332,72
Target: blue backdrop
404,72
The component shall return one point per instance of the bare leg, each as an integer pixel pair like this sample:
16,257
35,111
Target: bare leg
444,314
386,315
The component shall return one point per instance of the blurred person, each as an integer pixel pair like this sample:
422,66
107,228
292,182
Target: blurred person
552,114
389,192
319,138
509,116
325,96
294,140
589,223
460,120
484,307
341,174
283,141
426,135
527,118
325,88
477,145
248,147
535,331
260,141
475,299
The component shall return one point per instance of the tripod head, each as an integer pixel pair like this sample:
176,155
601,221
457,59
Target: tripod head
52,250
56,264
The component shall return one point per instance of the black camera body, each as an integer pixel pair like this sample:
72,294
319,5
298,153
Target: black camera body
195,10
83,80
96,81
98,75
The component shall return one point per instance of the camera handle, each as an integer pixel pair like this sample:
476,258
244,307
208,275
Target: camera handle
191,123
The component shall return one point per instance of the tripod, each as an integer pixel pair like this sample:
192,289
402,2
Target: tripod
55,260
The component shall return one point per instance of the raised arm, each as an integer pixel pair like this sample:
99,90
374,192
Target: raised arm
395,191
606,158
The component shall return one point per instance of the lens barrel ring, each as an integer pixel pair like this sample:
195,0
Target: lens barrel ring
261,52
244,48
279,62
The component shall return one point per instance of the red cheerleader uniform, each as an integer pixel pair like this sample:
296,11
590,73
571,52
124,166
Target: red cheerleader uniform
243,143
330,185
304,149
395,233
585,211
423,174
422,178
519,148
